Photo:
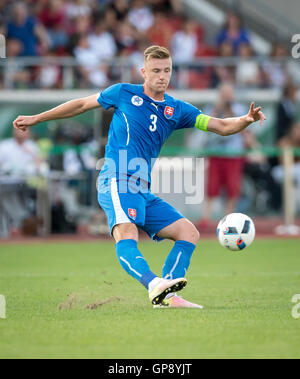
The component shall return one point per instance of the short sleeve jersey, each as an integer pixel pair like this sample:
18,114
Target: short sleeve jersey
141,125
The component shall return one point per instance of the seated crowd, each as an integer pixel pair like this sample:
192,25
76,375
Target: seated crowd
96,31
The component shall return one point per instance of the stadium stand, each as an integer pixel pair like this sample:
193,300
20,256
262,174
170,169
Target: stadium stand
58,49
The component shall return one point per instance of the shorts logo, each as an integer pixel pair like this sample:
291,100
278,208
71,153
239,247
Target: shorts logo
169,112
137,101
132,213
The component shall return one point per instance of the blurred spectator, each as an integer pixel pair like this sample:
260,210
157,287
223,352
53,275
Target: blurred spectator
110,20
275,68
187,45
184,43
19,160
125,36
224,172
101,42
70,193
19,156
115,28
167,6
233,32
248,73
137,59
121,8
290,140
225,50
17,76
223,72
267,194
5,10
93,72
2,28
293,70
74,161
81,27
52,16
140,15
78,8
286,112
155,35
49,75
27,30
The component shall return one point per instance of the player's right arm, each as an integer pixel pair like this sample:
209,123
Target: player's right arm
66,110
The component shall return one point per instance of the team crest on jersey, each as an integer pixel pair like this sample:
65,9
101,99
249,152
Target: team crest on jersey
137,101
169,111
132,213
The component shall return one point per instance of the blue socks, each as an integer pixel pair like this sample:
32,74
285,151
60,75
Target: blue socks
133,262
178,261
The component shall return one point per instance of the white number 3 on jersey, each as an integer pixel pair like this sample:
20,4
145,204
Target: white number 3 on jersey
153,126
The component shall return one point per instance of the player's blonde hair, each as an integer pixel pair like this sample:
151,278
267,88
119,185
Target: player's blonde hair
156,52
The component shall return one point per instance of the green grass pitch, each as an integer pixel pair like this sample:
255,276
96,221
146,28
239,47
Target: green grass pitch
69,300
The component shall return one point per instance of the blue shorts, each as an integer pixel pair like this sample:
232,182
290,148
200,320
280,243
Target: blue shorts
143,208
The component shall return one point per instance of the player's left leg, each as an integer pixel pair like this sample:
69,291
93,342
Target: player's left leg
186,236
164,222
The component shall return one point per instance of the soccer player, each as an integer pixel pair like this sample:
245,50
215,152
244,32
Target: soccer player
144,117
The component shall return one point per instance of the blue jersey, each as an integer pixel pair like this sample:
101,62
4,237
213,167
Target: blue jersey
140,126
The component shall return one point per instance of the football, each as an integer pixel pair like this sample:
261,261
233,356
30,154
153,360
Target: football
236,231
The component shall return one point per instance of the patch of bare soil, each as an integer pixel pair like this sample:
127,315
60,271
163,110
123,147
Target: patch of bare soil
102,302
68,304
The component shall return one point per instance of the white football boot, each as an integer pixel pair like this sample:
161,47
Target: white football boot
164,287
176,302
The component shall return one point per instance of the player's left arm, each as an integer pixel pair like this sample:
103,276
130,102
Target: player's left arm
233,125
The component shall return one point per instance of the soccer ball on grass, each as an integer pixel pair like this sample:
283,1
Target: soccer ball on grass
236,231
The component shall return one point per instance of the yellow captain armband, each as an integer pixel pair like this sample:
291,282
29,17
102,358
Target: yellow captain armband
202,122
